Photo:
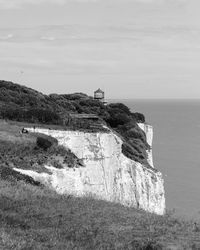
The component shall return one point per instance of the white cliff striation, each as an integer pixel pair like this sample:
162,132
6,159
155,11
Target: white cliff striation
108,174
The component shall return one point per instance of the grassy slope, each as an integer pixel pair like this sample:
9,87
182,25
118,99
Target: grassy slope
36,218
33,217
20,150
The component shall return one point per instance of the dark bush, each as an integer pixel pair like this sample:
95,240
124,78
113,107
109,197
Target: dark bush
43,143
129,152
91,103
12,113
78,108
42,116
75,96
120,106
139,117
136,133
118,119
33,115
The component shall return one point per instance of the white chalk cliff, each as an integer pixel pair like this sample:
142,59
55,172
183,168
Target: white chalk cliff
108,174
148,129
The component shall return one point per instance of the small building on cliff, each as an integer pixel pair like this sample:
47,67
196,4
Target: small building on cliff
99,95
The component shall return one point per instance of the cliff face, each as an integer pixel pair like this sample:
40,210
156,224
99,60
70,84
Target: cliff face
107,174
148,129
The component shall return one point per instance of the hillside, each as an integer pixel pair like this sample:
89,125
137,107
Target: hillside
19,103
49,221
35,217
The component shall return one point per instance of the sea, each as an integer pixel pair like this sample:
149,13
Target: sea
176,150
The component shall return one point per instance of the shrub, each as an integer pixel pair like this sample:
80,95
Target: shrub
120,106
128,151
42,115
43,143
117,118
136,134
139,117
75,96
33,115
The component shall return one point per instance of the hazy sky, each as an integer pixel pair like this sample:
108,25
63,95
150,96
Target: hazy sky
129,48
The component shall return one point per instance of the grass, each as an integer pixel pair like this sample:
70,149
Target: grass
21,151
36,218
85,126
20,125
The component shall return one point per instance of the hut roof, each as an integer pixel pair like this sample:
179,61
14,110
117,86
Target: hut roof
98,91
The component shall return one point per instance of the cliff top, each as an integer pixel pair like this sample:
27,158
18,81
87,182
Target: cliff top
22,104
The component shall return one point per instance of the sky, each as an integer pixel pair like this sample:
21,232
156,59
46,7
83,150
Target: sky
129,48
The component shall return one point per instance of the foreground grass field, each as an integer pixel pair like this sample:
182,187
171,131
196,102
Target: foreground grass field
34,217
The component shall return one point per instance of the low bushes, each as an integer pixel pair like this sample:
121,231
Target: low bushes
134,152
32,115
43,143
138,117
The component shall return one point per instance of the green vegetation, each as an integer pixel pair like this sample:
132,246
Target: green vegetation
44,143
23,104
33,217
31,151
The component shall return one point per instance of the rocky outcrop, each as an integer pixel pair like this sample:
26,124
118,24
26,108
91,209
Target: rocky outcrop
107,174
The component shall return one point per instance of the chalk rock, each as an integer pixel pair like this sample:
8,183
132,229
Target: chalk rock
108,174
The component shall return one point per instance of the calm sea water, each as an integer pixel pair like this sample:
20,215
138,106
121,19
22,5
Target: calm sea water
176,150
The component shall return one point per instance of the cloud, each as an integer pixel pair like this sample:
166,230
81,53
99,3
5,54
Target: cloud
10,4
9,36
48,38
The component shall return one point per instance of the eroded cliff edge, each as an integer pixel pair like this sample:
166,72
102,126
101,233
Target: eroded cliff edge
108,174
